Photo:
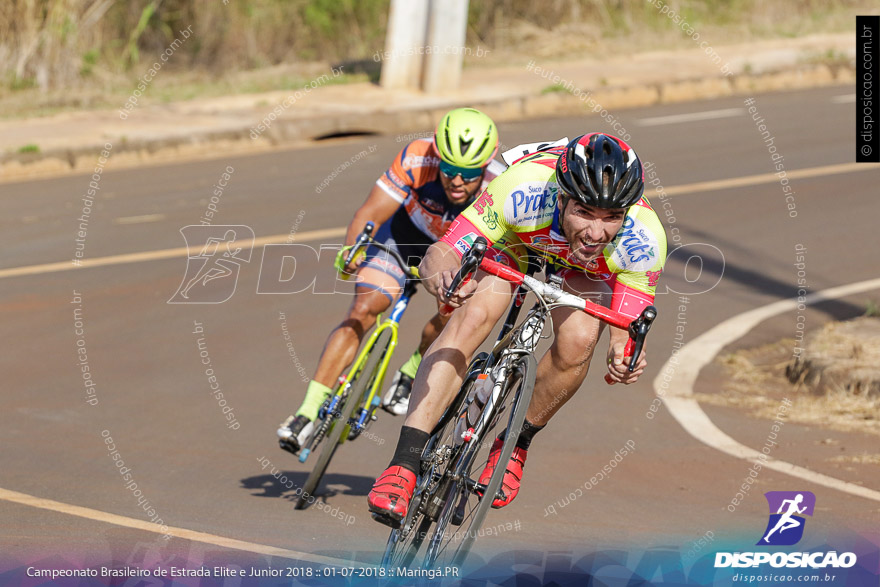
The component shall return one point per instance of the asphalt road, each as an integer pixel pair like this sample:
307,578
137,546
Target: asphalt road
153,396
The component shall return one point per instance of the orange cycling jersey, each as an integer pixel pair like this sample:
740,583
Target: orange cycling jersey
518,210
414,180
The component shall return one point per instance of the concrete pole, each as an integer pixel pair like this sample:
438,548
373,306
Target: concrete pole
447,26
405,42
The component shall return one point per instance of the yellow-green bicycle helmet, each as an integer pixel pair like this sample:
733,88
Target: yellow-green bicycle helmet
466,139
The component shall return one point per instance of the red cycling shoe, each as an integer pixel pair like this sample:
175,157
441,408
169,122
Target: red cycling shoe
512,476
389,498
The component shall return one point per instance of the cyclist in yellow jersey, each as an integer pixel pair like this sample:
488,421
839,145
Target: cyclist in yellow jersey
580,207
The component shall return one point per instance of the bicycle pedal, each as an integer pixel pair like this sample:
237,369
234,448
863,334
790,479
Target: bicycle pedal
393,523
285,446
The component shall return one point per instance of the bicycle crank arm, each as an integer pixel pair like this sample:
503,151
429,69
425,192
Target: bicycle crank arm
480,489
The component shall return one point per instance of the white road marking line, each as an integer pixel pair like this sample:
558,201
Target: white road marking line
762,178
699,352
139,219
844,99
161,254
690,117
222,541
313,235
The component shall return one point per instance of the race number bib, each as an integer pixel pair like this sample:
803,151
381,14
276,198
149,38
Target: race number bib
521,151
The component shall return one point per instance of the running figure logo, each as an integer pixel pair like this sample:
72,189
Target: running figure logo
214,258
786,526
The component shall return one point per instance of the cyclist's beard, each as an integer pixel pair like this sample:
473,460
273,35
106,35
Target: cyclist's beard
466,191
583,249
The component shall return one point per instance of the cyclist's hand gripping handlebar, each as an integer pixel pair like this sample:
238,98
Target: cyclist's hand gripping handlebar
638,330
363,240
347,255
469,263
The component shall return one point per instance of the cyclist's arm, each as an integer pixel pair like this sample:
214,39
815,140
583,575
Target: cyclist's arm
437,270
637,262
378,208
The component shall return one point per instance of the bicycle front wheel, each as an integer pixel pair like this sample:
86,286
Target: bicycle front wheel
339,428
464,510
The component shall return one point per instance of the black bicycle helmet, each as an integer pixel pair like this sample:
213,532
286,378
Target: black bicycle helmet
600,170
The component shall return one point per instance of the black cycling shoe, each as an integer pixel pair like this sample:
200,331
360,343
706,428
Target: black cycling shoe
396,400
294,433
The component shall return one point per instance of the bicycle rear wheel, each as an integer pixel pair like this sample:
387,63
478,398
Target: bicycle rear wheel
359,388
463,508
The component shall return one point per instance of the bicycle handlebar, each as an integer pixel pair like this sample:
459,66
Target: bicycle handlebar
469,263
637,329
365,239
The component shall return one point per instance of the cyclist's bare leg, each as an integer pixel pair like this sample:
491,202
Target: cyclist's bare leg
442,369
343,342
562,369
432,330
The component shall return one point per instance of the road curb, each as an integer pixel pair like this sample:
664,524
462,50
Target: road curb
291,130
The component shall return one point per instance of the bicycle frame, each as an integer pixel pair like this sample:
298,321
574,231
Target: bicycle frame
392,323
506,346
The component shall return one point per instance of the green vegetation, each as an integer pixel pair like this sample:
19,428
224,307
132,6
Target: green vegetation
554,89
72,54
29,149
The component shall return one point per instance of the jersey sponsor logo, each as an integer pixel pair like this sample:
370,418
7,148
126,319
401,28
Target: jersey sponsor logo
503,259
490,218
483,202
464,244
653,276
432,205
536,204
636,249
394,179
420,161
543,241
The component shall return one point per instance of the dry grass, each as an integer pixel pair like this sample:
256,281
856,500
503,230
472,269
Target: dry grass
756,382
862,459
51,49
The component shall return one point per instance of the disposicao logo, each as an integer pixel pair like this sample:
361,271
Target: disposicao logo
785,528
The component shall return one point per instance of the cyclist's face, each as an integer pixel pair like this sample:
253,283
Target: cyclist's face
459,191
590,229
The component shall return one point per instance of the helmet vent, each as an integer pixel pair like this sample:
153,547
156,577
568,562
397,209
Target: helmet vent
607,178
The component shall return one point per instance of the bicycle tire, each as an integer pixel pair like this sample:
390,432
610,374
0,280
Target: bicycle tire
355,397
392,557
457,490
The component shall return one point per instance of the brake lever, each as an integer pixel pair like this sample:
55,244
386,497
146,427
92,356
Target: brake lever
638,331
469,264
362,239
